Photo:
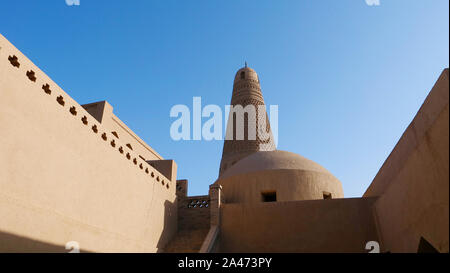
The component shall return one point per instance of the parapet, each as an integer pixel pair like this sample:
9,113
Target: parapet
99,110
167,167
102,111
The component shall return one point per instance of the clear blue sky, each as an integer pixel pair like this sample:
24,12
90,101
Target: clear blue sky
348,77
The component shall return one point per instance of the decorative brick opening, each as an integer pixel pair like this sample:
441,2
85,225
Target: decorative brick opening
115,134
84,120
14,61
146,170
46,88
327,195
31,76
269,196
104,137
73,110
134,161
113,143
242,75
140,166
129,146
195,203
60,100
121,149
128,156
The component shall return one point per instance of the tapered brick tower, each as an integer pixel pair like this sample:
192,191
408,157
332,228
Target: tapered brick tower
246,91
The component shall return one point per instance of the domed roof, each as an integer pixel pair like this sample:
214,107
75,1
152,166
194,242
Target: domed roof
273,160
246,68
246,73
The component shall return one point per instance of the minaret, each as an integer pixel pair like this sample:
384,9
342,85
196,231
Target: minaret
246,91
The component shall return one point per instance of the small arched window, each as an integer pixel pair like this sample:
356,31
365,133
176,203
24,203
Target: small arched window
242,75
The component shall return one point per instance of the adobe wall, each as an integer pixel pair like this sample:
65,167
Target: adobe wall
337,225
64,177
193,211
413,183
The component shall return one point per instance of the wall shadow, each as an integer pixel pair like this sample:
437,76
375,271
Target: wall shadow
170,225
10,243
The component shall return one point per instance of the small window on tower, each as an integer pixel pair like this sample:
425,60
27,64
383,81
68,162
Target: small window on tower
269,196
242,75
327,195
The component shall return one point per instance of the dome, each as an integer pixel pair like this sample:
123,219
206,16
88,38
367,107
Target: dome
246,69
273,160
286,175
246,73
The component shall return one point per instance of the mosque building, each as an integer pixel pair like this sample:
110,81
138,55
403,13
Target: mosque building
76,177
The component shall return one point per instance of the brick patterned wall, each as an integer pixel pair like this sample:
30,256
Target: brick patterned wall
193,221
193,213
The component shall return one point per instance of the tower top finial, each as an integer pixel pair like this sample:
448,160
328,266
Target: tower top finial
245,64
